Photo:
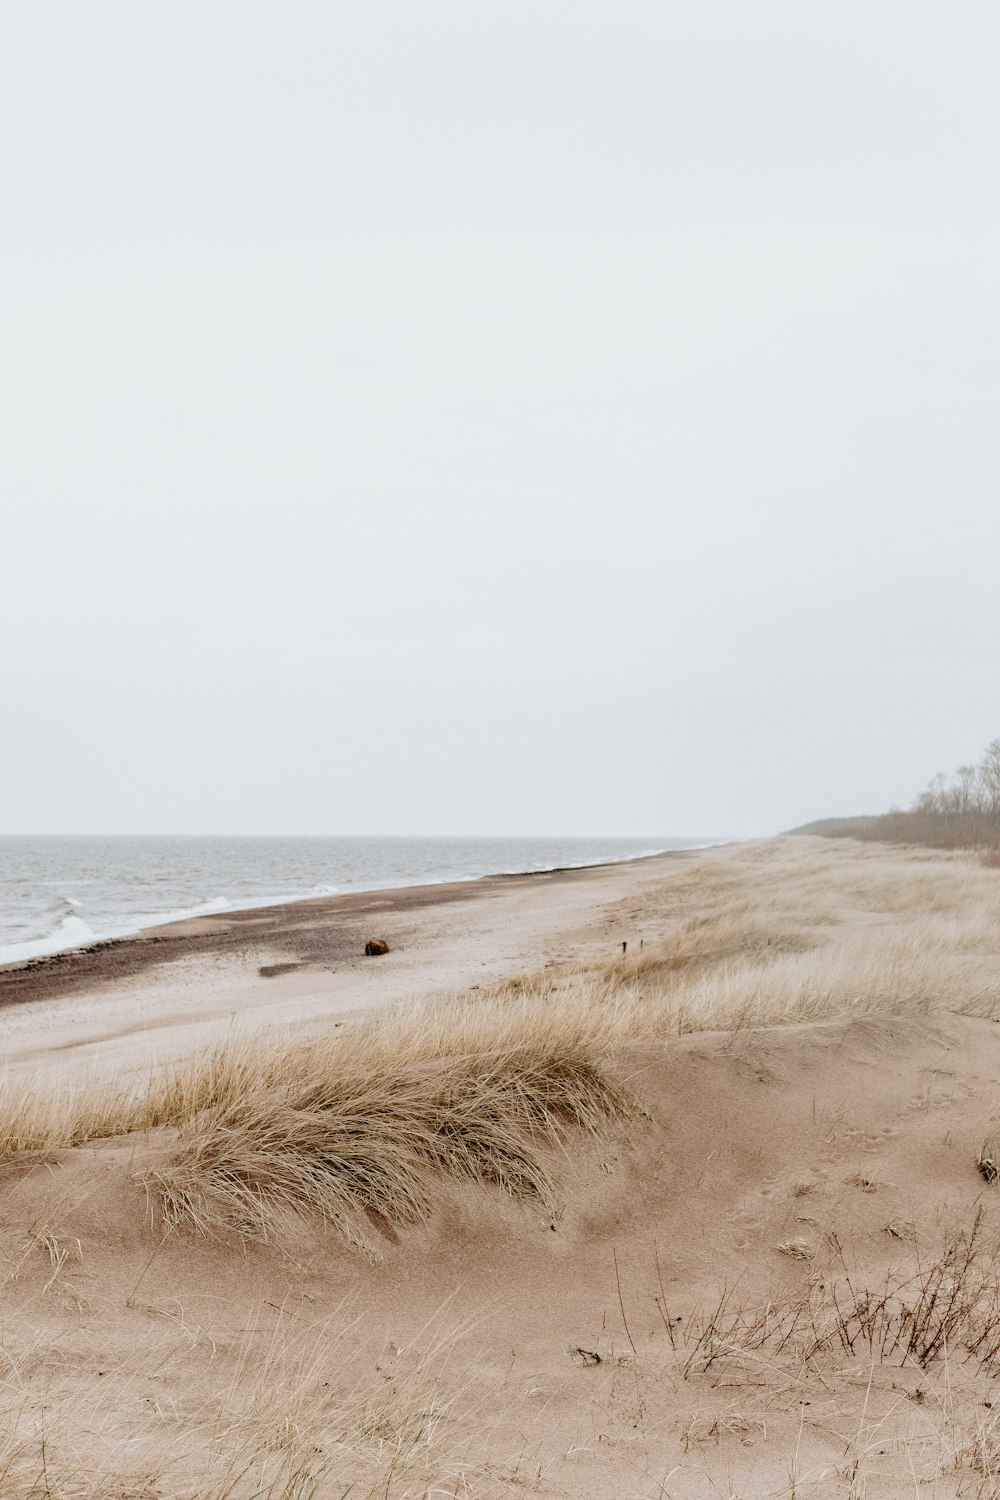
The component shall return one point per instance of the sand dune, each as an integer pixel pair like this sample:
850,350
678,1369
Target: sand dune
771,1271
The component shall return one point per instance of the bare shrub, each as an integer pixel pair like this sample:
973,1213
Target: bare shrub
949,1304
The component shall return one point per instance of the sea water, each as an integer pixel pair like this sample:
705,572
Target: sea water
64,892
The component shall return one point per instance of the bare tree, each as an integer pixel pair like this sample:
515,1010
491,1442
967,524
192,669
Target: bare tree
989,774
960,812
967,790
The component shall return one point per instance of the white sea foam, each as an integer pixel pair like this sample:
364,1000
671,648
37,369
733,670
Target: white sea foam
215,903
139,920
72,932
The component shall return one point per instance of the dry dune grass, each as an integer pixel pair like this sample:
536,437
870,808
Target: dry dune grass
790,933
291,1418
277,1124
342,1140
295,1415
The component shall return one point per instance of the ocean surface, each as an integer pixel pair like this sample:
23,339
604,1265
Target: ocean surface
64,892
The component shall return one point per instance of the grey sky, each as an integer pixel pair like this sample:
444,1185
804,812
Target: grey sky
509,417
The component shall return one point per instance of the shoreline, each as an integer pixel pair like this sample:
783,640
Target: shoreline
178,936
158,993
211,910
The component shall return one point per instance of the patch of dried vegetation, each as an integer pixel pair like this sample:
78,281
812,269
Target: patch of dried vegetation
338,1139
299,1411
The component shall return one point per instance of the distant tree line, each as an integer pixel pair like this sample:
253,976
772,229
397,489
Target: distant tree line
961,811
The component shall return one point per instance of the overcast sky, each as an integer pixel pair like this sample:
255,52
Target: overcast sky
516,417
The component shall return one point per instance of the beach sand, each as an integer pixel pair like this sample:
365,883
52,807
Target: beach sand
622,1341
161,992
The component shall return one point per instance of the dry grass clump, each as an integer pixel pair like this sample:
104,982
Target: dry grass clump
359,1125
885,976
345,1142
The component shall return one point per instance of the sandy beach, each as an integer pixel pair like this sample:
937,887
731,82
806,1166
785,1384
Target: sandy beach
755,1261
160,992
